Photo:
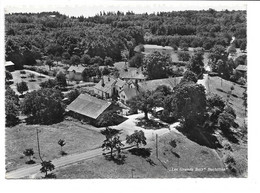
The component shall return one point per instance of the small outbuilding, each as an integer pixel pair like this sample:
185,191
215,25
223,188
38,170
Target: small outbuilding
75,72
9,66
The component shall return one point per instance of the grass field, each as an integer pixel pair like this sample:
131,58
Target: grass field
78,139
179,157
214,85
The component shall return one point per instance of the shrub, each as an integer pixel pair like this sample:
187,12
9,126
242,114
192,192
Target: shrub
22,72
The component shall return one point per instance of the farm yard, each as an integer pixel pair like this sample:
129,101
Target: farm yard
33,82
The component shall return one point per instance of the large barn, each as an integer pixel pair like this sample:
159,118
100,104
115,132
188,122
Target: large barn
88,108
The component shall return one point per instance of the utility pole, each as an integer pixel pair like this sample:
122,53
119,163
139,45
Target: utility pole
38,143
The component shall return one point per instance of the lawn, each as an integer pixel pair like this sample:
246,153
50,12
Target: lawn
78,137
32,83
214,85
179,157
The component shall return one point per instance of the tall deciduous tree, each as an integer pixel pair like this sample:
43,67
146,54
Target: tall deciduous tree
137,137
156,65
43,106
144,101
46,167
21,87
189,103
111,143
196,64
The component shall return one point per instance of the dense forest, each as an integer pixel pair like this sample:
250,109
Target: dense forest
32,36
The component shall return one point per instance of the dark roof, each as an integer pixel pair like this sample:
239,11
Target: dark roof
89,106
78,69
105,84
153,84
242,68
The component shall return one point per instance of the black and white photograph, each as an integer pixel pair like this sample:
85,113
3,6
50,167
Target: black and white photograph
127,90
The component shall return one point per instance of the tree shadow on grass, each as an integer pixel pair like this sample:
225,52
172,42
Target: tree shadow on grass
230,136
142,152
32,120
119,160
30,162
201,137
150,124
50,176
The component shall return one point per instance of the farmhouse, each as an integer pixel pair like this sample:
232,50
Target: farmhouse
105,87
9,66
88,108
75,72
127,93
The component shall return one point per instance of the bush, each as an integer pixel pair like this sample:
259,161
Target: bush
22,72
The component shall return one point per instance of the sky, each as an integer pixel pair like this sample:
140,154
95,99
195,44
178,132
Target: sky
90,8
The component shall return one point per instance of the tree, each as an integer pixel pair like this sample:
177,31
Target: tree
29,153
61,79
144,101
22,87
50,83
137,137
111,143
46,166
189,76
196,64
8,76
156,65
218,52
108,118
31,76
11,107
125,55
49,63
108,61
136,60
243,46
183,56
61,142
189,103
72,95
50,110
245,99
85,59
75,60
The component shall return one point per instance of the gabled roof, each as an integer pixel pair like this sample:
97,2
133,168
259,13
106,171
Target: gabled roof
78,69
130,92
9,63
105,84
120,82
89,106
153,84
242,68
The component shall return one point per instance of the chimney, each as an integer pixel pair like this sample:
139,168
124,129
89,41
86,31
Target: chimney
102,83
